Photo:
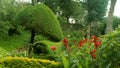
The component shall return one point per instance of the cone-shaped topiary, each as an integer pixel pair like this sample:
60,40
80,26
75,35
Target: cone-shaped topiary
41,20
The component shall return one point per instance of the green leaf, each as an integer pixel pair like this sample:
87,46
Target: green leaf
108,66
79,66
65,62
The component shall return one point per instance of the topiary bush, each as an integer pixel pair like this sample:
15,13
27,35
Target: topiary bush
44,49
22,62
41,20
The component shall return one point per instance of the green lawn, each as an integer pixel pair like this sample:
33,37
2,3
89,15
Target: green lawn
10,43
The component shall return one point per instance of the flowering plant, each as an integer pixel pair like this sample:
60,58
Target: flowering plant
81,54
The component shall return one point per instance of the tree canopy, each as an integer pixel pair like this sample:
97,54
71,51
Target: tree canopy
96,9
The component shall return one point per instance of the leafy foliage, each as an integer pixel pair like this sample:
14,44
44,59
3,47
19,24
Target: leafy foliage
110,52
4,26
42,20
116,22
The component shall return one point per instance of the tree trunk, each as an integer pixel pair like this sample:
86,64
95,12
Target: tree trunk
110,17
32,37
34,2
31,41
88,30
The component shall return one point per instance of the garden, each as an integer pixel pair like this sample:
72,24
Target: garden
41,34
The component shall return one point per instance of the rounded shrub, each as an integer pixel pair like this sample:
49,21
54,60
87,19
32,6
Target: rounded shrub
42,20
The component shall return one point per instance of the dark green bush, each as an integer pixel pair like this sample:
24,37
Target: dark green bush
44,47
42,20
22,62
40,47
4,26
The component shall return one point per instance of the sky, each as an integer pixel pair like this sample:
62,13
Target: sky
117,9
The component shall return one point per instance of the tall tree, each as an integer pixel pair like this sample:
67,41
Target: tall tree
96,11
52,4
110,17
65,6
70,8
8,11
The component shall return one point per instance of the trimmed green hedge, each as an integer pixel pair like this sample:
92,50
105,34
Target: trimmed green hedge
22,62
42,20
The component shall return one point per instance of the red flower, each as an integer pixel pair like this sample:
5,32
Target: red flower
93,51
81,43
65,41
93,40
97,44
93,37
93,54
53,48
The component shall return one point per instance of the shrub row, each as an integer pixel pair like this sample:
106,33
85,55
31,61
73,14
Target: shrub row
22,62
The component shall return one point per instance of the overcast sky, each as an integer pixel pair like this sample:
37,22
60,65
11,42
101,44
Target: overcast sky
117,9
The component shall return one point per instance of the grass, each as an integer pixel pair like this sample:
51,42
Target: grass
10,43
